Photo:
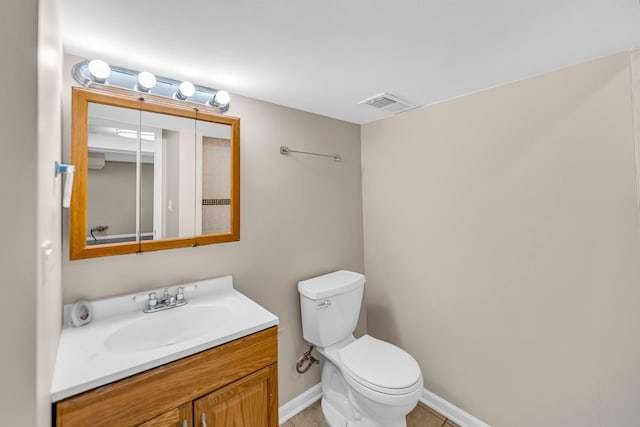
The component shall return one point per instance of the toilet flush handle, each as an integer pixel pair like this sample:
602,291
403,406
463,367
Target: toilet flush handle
325,304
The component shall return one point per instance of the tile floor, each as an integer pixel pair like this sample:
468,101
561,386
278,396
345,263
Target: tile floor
422,416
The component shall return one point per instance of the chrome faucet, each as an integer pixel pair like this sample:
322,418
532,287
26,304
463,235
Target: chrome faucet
166,302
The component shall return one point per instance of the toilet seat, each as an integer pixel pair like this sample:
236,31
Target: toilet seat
380,367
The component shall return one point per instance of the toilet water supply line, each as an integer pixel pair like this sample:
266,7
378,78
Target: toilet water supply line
306,357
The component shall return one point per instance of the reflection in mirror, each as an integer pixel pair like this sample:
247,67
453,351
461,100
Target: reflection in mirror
171,189
213,142
174,202
152,174
111,176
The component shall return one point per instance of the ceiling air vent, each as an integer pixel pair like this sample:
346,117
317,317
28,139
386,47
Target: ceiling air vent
388,102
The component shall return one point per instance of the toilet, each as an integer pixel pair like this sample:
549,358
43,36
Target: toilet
366,382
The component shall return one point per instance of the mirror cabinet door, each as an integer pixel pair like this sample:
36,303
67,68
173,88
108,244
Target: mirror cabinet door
213,141
167,190
112,169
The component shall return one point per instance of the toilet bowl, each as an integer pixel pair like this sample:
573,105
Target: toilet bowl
366,382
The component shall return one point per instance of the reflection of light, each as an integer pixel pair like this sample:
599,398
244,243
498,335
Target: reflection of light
132,134
148,136
127,133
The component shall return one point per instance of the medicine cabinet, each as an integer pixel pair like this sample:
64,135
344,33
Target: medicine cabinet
152,173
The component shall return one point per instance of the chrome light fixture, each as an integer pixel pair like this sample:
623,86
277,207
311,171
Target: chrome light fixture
185,90
220,99
146,81
97,72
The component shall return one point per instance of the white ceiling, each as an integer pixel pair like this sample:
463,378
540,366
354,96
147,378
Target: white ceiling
325,56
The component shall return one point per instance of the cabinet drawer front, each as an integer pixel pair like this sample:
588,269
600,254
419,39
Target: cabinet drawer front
137,399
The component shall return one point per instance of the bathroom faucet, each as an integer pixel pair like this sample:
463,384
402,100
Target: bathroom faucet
166,302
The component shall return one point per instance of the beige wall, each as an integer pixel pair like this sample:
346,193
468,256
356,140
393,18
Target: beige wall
300,216
502,250
18,212
30,210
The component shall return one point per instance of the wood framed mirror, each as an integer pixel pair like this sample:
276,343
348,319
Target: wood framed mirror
152,173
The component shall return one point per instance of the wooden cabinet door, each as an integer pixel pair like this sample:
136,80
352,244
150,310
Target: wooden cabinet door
181,416
243,403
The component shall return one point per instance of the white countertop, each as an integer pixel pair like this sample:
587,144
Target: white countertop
89,358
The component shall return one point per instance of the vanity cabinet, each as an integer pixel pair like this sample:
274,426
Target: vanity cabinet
234,384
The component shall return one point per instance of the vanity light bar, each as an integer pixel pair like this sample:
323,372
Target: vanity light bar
97,72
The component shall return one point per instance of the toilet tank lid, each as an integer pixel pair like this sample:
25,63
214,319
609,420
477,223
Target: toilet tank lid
328,285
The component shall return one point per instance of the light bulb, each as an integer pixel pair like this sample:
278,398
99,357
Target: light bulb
99,70
186,90
146,81
220,99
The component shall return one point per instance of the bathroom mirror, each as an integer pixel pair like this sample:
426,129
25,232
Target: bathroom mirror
151,173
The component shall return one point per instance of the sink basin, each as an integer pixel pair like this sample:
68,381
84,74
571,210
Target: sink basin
168,327
122,341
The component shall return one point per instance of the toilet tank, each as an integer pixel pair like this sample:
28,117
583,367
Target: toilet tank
330,306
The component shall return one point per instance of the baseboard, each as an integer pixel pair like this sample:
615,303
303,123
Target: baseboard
299,403
450,411
432,400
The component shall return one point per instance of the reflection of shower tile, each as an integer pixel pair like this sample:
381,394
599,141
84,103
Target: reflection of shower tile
216,167
207,187
216,219
211,189
215,202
